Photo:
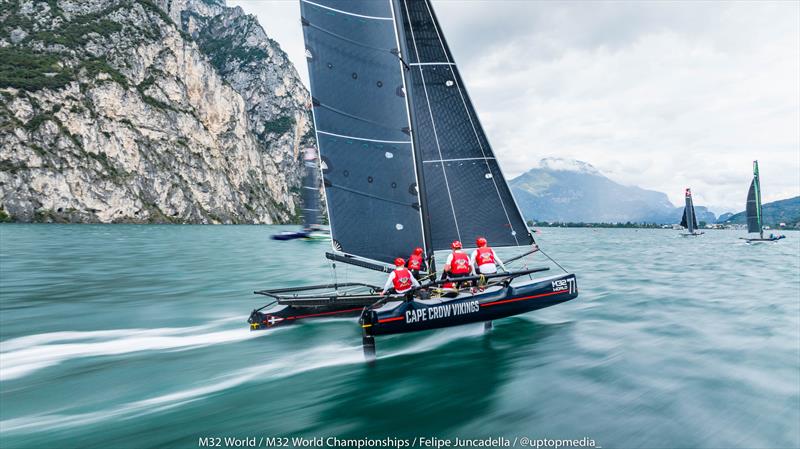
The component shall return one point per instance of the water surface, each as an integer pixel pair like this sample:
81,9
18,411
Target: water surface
136,336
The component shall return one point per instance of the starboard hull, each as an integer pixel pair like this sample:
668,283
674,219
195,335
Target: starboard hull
494,303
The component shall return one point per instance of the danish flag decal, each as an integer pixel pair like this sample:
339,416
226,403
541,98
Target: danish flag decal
273,320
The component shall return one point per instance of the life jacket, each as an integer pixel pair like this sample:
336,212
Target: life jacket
459,264
402,280
485,255
414,262
448,285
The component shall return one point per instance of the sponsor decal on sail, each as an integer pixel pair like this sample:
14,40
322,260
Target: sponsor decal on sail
442,311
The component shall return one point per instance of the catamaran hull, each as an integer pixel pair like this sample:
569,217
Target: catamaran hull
284,315
493,304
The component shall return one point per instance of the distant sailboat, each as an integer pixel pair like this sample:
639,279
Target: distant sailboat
755,219
689,220
311,227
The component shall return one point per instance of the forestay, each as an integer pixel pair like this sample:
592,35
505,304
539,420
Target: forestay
362,127
465,193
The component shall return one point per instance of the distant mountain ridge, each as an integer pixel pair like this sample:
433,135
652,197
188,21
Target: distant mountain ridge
782,211
567,190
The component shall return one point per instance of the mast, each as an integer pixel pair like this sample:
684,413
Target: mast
418,167
757,183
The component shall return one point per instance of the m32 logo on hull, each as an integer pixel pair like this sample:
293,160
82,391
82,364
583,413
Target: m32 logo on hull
565,284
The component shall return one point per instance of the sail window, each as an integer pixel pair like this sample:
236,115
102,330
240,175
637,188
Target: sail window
399,227
488,176
389,155
449,83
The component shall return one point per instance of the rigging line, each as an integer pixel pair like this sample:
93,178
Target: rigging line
346,39
433,122
552,260
368,195
362,138
345,12
474,130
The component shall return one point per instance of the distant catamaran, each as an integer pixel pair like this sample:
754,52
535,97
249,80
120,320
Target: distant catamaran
755,219
689,220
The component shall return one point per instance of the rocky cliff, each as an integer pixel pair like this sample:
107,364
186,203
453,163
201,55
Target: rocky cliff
146,111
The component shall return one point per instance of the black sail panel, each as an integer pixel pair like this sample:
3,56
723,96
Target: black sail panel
753,216
362,126
684,221
465,191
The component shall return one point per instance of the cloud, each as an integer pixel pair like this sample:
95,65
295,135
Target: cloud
662,95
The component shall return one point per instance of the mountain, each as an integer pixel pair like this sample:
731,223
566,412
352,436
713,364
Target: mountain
724,217
574,191
146,111
783,211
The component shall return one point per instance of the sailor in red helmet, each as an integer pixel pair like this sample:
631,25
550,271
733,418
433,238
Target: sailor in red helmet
416,262
457,265
400,279
484,259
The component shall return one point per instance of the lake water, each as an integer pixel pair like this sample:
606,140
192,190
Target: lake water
136,336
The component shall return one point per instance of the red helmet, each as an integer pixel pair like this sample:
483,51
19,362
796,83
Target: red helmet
481,242
399,262
455,245
418,251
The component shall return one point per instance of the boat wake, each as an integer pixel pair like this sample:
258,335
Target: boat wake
24,355
319,357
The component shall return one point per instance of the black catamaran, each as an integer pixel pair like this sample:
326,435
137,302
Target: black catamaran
310,196
405,163
689,220
755,222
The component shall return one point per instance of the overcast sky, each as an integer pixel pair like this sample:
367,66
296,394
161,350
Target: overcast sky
661,95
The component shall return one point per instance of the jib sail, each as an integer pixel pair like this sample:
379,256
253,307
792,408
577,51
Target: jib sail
464,193
754,203
362,126
689,220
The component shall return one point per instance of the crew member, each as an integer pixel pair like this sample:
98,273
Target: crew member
456,266
415,262
400,279
484,259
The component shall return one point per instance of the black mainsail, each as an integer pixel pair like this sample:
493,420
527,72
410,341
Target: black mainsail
689,220
405,160
753,210
362,126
